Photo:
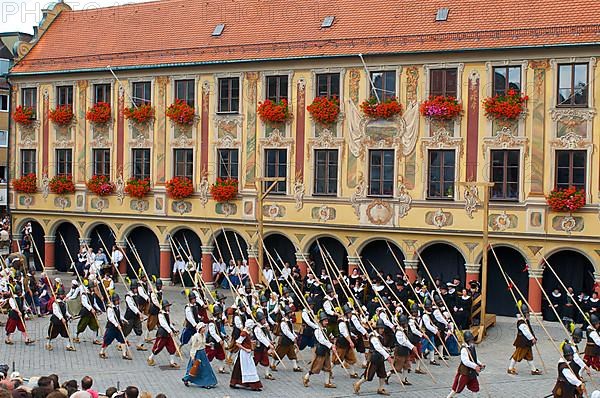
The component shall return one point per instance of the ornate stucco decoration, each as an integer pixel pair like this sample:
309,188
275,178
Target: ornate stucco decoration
442,139
28,137
323,213
277,139
229,123
359,194
471,196
568,224
439,218
228,141
505,139
501,222
203,189
379,212
571,116
404,198
45,184
299,191
327,139
120,187
182,141
571,140
100,135
141,140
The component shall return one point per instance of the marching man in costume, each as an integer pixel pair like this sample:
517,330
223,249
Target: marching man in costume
359,334
432,332
592,347
287,341
87,317
133,315
114,329
376,364
403,349
524,342
264,345
153,310
322,359
215,343
59,321
191,319
244,372
345,344
164,337
415,334
568,385
16,319
469,368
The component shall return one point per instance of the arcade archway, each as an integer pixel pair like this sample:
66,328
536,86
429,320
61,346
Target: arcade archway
499,297
145,242
378,253
62,254
323,246
444,261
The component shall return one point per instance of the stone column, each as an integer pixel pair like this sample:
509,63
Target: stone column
48,252
253,265
410,268
301,262
165,262
472,273
353,263
207,262
535,292
123,264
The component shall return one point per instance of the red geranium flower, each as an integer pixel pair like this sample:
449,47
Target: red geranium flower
273,112
181,113
62,115
99,113
387,109
224,189
100,185
23,115
180,188
441,107
324,110
62,184
505,107
26,184
137,188
141,114
566,199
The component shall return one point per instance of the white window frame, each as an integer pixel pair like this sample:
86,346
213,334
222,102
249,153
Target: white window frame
460,67
368,172
7,103
216,98
397,69
488,175
313,170
263,95
288,166
457,160
342,72
5,144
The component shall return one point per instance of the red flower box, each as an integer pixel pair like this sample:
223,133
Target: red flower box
566,199
100,185
441,108
224,189
140,114
324,110
25,184
505,107
23,115
181,113
137,188
62,115
99,113
381,110
62,184
180,188
273,112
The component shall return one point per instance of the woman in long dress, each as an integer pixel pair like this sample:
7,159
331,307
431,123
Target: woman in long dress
244,372
205,377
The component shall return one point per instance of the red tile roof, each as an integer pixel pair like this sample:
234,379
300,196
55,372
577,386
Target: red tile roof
179,31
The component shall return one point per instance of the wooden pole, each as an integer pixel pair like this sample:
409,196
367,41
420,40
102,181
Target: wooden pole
484,260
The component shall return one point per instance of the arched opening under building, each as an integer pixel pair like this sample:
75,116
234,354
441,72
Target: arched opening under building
574,270
145,242
444,261
187,244
499,297
37,233
230,244
378,253
102,237
323,248
281,249
64,256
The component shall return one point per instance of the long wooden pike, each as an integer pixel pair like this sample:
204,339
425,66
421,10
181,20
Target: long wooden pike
587,319
329,275
52,290
175,244
510,286
153,289
115,266
12,295
79,277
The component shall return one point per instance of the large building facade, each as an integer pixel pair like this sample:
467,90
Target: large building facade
360,187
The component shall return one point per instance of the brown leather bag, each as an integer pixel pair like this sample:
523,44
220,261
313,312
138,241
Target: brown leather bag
195,368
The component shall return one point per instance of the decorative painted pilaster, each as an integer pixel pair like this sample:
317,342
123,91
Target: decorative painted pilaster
253,265
412,85
207,262
410,269
120,130
162,130
251,129
535,293
49,252
45,130
300,128
352,157
473,126
81,134
165,262
538,105
301,263
204,126
472,272
13,167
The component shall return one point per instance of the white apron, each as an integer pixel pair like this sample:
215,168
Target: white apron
249,373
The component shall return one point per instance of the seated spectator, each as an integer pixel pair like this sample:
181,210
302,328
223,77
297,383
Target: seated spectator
110,391
86,385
